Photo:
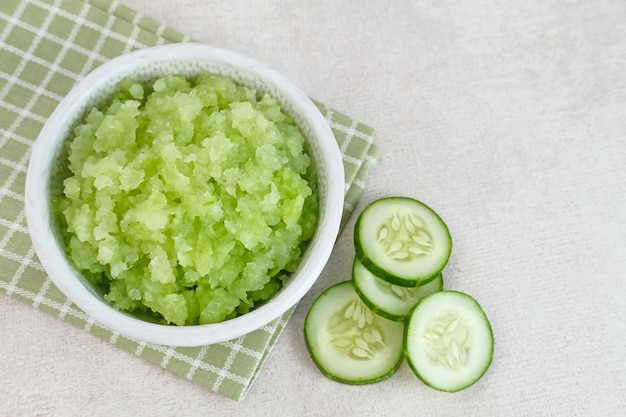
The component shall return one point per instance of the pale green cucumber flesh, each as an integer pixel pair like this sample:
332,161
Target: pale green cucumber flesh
401,240
389,300
448,341
348,342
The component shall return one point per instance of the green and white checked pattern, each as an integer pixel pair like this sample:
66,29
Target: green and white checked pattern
46,46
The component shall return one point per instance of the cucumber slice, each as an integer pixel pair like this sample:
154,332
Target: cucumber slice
348,342
388,300
402,241
448,341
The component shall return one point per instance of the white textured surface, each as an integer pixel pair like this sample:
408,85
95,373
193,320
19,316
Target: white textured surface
508,118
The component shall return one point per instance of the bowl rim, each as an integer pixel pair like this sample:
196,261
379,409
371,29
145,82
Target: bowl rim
64,276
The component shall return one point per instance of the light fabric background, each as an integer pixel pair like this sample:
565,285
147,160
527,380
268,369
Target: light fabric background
508,118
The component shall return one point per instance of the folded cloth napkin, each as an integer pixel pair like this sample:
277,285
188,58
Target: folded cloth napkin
46,46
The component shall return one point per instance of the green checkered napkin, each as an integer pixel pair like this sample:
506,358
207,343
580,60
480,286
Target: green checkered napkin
46,46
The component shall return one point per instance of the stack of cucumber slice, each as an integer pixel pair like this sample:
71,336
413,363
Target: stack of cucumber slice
359,331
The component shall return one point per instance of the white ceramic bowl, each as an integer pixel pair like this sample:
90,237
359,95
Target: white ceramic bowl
44,180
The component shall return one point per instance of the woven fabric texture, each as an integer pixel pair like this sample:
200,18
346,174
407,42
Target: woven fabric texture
47,46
